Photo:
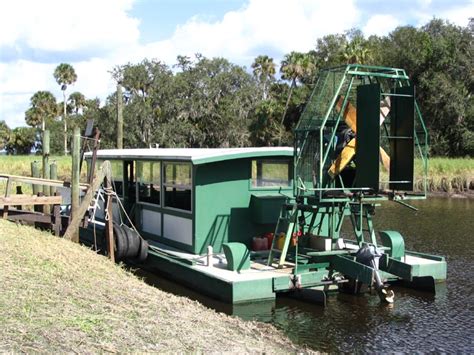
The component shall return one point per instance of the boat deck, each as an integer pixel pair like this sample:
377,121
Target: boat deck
258,269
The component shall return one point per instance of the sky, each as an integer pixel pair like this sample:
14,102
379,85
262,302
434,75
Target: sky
94,36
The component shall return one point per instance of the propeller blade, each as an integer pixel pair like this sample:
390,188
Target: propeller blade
350,117
385,159
343,159
350,113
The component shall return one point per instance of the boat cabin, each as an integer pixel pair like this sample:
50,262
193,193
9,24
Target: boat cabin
192,198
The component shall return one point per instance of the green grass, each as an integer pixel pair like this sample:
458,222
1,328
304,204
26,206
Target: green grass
21,165
444,174
60,297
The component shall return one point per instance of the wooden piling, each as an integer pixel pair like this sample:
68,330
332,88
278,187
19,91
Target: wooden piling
46,172
35,172
109,231
76,157
46,154
53,172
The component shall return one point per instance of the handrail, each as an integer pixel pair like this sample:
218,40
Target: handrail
40,181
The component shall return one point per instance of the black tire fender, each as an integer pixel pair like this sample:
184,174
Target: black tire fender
143,251
133,241
119,242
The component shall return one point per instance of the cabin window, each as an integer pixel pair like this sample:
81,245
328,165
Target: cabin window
271,173
149,181
177,185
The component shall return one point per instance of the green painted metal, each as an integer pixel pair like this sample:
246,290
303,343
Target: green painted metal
315,135
368,136
402,138
395,242
228,210
436,268
265,209
353,269
237,256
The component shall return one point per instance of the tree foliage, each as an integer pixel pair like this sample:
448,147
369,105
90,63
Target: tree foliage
42,111
21,140
210,102
4,134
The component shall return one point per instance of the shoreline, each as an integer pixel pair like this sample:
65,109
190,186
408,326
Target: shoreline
469,194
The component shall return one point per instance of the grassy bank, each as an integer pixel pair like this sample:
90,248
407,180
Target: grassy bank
61,297
444,174
21,165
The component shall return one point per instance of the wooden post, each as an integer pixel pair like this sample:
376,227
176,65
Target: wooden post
119,117
35,172
19,192
53,172
109,227
76,157
46,154
102,173
7,193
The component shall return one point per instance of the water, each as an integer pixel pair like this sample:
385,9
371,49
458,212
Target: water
417,321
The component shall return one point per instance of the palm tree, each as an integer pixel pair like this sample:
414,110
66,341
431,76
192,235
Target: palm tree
356,51
76,102
294,67
65,75
264,70
43,107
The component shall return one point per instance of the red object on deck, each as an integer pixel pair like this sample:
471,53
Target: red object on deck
259,243
269,239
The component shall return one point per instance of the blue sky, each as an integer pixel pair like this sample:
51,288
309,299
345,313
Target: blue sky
97,35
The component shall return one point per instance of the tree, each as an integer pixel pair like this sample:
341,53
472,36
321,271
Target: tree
65,75
42,108
76,103
357,51
264,70
328,52
21,140
265,129
4,134
438,58
294,67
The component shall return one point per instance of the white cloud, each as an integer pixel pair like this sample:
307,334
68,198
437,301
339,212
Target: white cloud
105,29
61,25
88,28
380,25
18,82
281,25
457,14
105,35
460,15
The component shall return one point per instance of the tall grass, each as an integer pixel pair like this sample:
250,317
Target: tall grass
444,174
21,165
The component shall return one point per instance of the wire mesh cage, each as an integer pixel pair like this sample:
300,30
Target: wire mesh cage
358,132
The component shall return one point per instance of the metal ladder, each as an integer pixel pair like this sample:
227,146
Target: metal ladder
288,219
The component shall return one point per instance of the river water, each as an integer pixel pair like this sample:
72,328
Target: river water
416,322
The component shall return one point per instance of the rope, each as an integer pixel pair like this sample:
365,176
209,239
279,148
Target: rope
110,192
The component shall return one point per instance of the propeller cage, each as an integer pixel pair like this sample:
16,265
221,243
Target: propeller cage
360,134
